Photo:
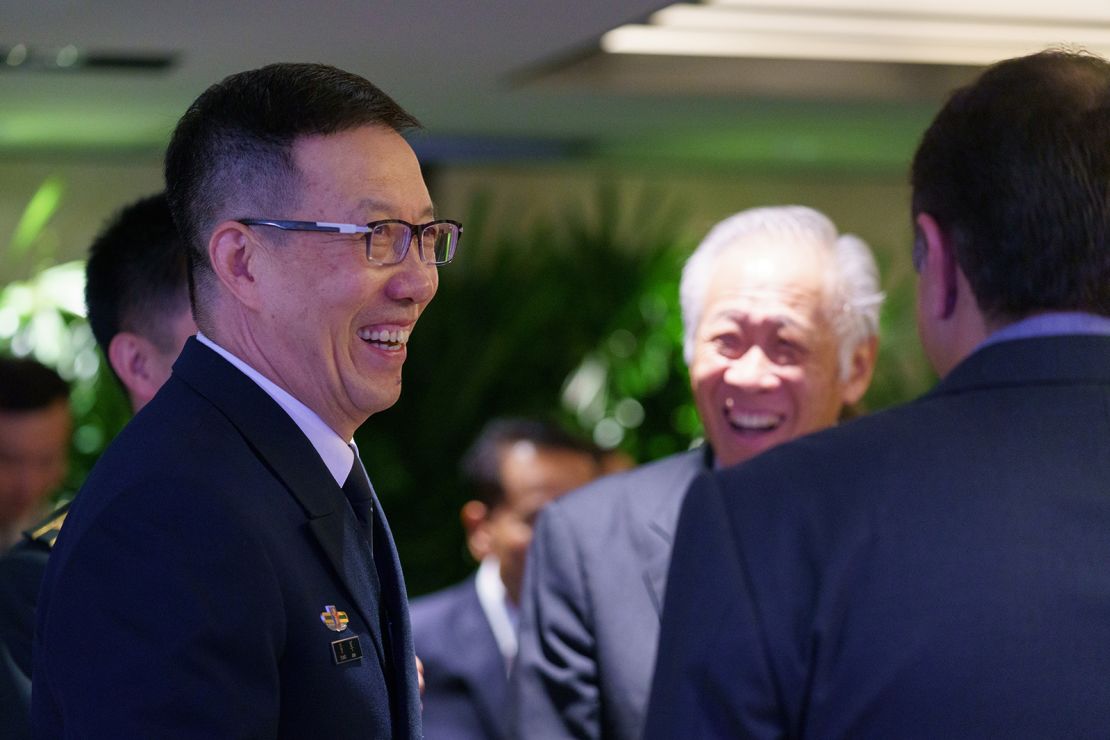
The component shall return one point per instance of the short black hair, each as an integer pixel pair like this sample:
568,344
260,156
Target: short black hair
28,385
481,465
135,279
1016,171
231,155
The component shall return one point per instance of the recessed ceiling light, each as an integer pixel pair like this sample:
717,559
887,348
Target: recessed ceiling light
71,58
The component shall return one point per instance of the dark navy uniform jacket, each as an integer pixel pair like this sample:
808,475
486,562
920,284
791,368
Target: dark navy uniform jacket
21,570
202,575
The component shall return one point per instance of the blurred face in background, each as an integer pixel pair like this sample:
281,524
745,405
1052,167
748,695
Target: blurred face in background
34,458
765,366
531,477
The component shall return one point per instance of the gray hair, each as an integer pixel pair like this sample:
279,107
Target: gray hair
852,297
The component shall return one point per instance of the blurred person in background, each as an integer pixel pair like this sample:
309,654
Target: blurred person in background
466,635
35,429
136,291
780,316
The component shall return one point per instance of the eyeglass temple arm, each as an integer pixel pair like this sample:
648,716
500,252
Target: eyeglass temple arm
307,226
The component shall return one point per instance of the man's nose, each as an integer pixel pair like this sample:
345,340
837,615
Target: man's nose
752,371
413,280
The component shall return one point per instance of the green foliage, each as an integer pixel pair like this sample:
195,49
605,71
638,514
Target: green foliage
44,318
515,318
572,318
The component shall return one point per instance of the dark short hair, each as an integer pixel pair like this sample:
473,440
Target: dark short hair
481,465
1016,171
135,279
28,385
232,152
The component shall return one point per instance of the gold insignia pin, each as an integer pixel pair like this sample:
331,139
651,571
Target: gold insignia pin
333,619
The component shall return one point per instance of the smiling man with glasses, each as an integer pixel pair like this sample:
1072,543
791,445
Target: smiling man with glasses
227,570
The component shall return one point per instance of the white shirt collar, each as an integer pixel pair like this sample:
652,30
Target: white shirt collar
495,603
336,454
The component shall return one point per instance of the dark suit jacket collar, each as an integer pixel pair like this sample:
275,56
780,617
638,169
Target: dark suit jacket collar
1051,359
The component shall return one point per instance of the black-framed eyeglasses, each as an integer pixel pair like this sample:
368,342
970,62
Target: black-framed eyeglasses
388,240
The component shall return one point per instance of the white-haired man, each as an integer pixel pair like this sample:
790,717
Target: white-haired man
780,316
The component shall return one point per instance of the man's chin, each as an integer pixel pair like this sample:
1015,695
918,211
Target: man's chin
741,446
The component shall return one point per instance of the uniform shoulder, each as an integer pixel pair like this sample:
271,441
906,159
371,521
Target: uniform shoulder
44,533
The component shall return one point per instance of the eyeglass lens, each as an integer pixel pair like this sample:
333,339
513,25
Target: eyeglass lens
388,242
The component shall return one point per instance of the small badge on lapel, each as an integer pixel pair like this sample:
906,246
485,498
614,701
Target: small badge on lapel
333,619
346,650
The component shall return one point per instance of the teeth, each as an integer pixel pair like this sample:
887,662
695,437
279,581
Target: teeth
397,336
753,421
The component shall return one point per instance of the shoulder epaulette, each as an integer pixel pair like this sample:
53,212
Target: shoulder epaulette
46,531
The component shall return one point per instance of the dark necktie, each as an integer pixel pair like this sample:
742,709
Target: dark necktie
361,497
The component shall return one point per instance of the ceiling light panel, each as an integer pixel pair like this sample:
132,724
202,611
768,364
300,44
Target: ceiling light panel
872,32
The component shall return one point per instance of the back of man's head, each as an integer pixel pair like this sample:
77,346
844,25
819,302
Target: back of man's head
135,276
136,286
1016,171
231,155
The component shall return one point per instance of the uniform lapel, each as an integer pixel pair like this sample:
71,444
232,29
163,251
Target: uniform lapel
346,551
283,448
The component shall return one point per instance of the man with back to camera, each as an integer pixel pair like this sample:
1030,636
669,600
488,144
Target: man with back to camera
228,551
936,570
136,291
780,318
467,634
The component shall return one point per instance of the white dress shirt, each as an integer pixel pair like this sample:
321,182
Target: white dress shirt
337,454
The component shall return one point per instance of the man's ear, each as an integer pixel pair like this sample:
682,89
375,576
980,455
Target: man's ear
475,520
939,286
130,356
860,371
233,252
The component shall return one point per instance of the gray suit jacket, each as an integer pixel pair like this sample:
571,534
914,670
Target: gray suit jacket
464,672
593,594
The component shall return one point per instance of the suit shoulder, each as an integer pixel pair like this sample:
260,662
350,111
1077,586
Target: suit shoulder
430,610
644,487
832,467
